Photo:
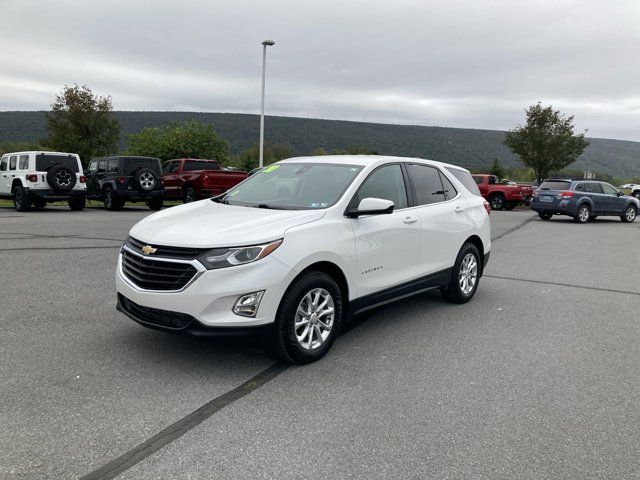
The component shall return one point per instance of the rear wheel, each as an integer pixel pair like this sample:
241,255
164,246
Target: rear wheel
154,203
77,203
189,195
583,214
465,276
545,215
497,202
629,214
21,200
308,319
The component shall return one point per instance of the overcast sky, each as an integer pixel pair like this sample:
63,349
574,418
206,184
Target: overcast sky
474,64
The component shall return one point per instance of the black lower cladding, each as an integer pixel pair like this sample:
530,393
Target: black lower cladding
177,322
388,295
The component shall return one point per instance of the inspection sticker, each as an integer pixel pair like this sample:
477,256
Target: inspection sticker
271,168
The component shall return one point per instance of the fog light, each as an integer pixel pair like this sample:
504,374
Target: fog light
247,305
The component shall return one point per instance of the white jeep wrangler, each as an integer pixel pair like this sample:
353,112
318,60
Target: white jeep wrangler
36,178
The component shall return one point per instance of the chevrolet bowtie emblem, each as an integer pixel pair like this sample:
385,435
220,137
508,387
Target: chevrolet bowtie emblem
148,250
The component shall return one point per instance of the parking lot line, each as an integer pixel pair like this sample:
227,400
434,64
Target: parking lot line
182,426
570,285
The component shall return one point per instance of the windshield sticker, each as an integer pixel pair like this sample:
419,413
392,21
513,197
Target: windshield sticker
271,168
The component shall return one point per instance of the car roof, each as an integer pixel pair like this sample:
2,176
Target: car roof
367,160
37,152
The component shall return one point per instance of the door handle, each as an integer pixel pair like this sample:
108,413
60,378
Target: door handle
410,219
459,209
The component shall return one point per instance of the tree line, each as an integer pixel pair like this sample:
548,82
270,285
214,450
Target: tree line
84,123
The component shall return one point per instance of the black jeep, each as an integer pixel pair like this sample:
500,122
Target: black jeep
116,180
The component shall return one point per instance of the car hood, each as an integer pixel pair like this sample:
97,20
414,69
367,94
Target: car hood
206,224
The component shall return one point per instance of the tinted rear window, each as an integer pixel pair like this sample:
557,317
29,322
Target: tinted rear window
133,164
555,185
466,179
200,165
45,161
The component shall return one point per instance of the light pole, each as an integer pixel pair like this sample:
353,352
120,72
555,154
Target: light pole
265,44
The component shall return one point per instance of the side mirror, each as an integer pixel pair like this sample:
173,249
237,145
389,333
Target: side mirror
372,206
620,193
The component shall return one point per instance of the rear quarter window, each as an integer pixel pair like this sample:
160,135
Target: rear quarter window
465,179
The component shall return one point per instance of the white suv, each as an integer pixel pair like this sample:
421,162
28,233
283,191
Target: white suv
303,244
35,178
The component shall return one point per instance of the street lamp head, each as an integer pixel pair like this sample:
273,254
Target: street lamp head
268,43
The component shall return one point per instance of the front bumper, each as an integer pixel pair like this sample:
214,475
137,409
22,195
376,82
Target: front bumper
210,297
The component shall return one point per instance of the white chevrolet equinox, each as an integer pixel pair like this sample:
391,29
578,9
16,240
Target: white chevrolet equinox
302,245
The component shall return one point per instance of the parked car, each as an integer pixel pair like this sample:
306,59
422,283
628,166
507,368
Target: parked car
37,178
502,196
117,180
635,191
583,200
191,179
304,244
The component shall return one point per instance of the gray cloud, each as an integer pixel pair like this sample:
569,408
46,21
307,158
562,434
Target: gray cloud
449,63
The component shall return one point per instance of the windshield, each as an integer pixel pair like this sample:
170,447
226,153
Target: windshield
45,161
294,186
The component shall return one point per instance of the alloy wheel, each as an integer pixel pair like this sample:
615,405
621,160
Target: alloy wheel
630,214
468,275
314,318
147,181
583,214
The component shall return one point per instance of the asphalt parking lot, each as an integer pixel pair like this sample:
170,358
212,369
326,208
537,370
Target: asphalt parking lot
537,377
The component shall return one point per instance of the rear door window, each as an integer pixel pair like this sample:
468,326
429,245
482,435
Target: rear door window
555,185
23,162
44,161
465,178
427,184
594,188
112,165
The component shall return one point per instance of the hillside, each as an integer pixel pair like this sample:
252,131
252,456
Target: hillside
468,147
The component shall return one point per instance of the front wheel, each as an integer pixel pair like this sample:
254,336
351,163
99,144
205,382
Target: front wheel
308,319
629,214
111,200
21,200
497,202
77,203
583,214
154,203
465,276
545,215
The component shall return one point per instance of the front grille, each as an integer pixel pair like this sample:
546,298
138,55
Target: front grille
167,252
155,316
153,274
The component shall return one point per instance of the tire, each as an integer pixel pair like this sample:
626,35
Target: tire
497,202
629,215
77,203
189,195
155,203
21,201
39,203
287,344
545,215
583,215
510,205
455,292
145,179
111,200
61,178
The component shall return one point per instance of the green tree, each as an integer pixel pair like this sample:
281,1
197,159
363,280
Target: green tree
497,169
318,152
546,142
249,158
83,123
8,147
190,139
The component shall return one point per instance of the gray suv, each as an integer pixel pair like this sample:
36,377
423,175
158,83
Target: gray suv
583,200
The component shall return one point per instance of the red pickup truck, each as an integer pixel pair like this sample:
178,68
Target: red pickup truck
191,179
502,195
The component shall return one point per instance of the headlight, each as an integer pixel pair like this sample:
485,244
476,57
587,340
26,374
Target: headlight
228,257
